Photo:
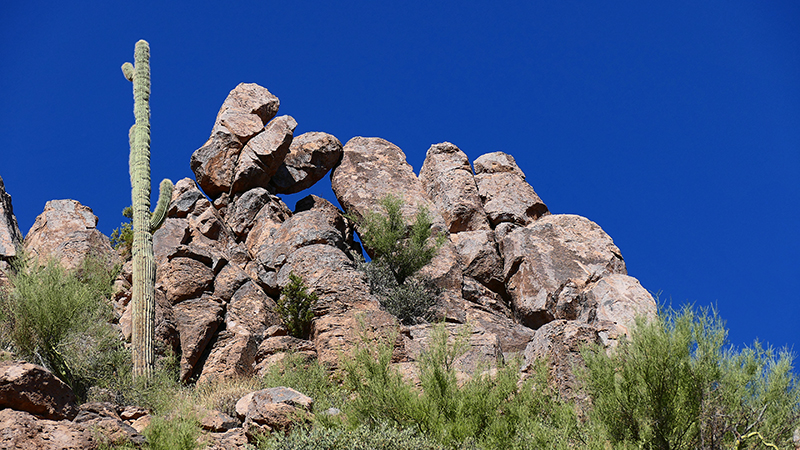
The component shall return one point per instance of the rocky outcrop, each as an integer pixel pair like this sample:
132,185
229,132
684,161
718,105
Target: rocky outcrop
10,236
33,389
67,232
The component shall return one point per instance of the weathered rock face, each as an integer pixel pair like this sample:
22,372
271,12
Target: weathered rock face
310,157
617,300
10,236
33,389
67,232
506,196
541,259
263,154
447,179
273,409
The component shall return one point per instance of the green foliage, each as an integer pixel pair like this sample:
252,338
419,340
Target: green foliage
675,385
295,307
399,252
174,433
380,437
403,249
488,411
60,319
122,237
308,376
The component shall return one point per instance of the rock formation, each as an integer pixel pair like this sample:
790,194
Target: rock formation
521,280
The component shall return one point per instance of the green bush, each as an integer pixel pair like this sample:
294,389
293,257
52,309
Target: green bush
122,237
399,251
172,433
487,412
295,307
380,437
678,385
60,319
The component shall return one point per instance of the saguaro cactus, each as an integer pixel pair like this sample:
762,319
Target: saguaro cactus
144,267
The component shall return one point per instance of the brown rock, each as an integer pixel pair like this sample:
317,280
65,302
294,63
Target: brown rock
197,320
23,431
228,281
246,110
617,300
232,355
337,334
67,231
184,197
10,235
263,154
505,194
251,311
242,211
214,163
310,157
273,409
477,252
543,257
560,342
168,238
33,389
217,421
481,347
268,219
447,179
184,278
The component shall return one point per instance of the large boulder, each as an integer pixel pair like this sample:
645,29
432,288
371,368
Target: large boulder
506,196
310,157
276,409
263,154
243,115
447,179
616,301
67,232
544,257
197,320
33,389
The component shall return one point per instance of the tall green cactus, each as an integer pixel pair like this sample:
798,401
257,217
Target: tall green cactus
144,267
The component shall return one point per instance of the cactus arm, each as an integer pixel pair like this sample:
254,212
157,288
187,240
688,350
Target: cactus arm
164,197
128,71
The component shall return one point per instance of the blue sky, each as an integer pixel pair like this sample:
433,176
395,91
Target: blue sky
674,126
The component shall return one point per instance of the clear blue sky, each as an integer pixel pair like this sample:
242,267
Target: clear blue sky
673,125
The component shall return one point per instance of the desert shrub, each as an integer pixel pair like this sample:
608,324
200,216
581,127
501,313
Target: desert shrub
178,432
677,384
60,319
489,411
122,237
295,307
308,376
379,437
399,252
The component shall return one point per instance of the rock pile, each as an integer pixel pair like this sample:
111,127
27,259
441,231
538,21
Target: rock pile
523,280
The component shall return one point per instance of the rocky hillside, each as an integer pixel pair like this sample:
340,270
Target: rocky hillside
526,281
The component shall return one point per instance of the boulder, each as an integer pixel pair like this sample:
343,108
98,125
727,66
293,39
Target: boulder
67,232
506,196
10,235
246,110
274,409
197,320
477,253
241,213
267,219
543,257
251,311
310,157
481,349
184,278
33,389
228,281
559,343
232,355
617,300
447,179
184,196
243,115
23,431
263,154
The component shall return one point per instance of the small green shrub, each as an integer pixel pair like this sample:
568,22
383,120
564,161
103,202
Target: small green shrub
122,237
172,433
399,252
677,384
295,307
